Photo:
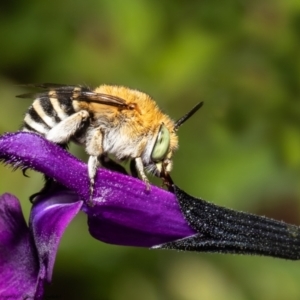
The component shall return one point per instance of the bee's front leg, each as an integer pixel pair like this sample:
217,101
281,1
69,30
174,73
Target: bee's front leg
140,168
168,182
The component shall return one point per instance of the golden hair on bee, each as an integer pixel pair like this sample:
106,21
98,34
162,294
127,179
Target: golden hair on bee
108,120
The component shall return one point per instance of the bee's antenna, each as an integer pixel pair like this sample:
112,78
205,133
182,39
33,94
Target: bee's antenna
179,122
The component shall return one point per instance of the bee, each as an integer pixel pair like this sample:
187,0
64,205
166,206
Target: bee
108,121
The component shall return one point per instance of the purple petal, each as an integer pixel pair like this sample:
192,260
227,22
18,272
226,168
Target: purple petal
22,149
27,255
48,220
124,212
18,258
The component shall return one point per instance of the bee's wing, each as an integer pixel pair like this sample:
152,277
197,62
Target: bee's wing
78,93
61,89
48,86
90,96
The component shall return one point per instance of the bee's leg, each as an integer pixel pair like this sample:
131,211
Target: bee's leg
93,164
24,172
61,134
63,131
44,190
95,150
110,164
133,169
140,168
168,182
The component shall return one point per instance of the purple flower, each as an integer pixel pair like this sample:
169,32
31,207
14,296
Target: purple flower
124,213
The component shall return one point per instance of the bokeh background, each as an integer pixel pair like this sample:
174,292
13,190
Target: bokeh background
242,150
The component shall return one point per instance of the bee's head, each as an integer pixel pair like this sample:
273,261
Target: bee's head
162,151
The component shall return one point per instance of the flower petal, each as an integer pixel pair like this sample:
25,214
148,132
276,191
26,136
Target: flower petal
123,211
224,230
30,150
48,220
27,255
19,262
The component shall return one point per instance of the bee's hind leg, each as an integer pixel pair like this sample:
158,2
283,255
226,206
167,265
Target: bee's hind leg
24,172
61,134
46,188
63,131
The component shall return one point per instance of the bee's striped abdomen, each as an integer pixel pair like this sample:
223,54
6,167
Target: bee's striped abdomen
47,110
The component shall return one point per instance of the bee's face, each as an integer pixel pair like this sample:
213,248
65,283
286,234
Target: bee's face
165,142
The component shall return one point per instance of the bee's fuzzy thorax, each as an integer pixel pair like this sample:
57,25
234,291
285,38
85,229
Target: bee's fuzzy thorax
148,116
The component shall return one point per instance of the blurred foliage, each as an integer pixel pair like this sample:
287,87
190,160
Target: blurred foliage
242,150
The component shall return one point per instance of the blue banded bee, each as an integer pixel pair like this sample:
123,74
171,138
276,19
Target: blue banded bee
108,120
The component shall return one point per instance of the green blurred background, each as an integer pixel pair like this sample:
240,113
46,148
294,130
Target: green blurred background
242,150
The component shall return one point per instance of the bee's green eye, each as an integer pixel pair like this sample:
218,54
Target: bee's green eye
161,145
